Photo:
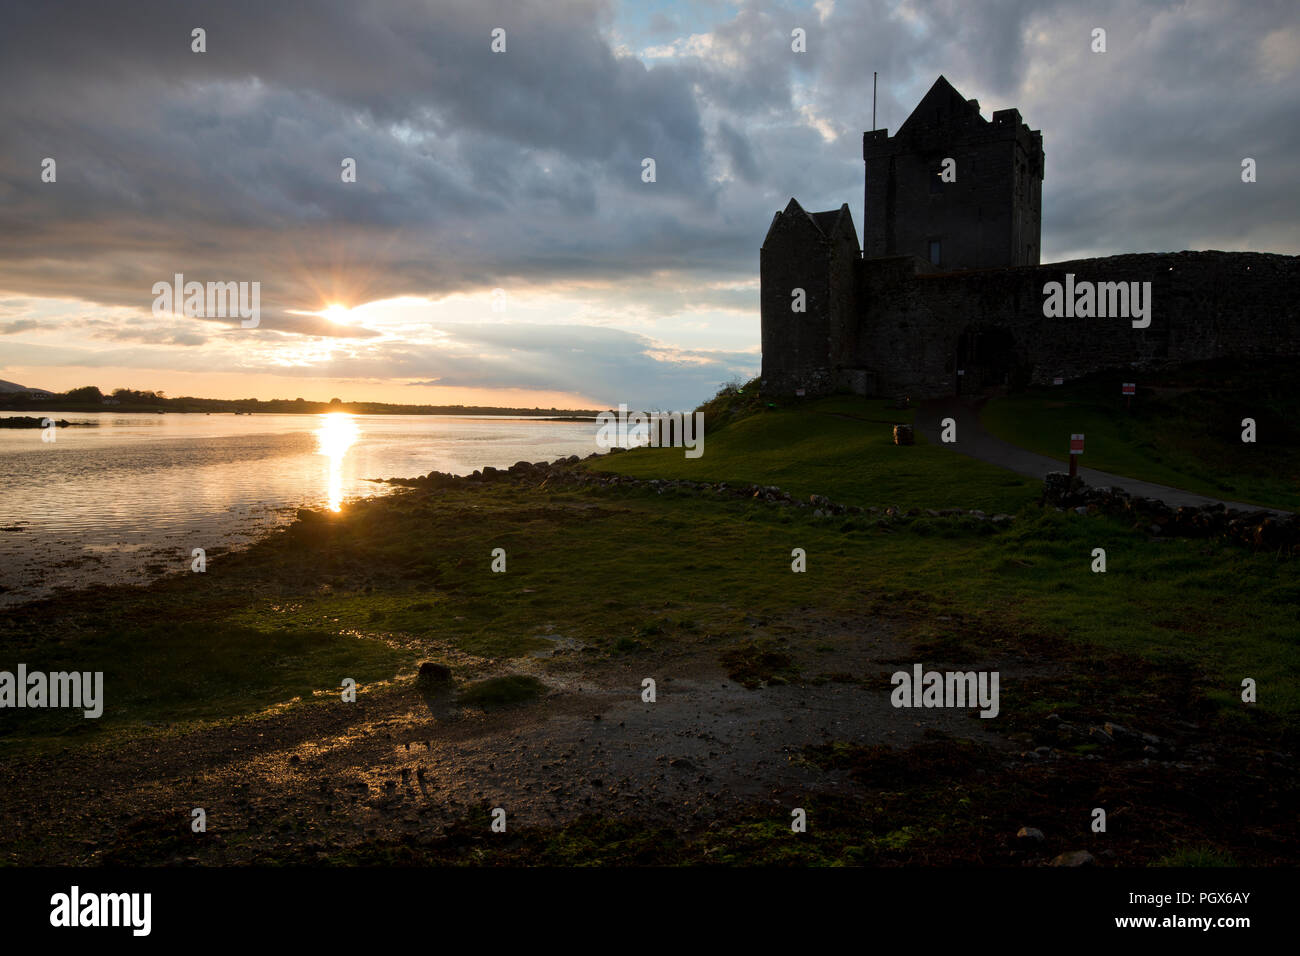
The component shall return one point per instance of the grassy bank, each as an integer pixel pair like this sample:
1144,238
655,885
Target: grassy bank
841,448
1182,430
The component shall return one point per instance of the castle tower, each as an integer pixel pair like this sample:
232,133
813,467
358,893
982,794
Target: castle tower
989,217
808,271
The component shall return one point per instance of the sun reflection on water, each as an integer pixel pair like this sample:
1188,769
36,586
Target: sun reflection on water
337,432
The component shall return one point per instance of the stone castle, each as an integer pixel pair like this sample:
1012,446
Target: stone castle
947,297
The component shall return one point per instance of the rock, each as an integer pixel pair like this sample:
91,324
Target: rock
904,435
1059,489
434,672
23,421
1097,735
1074,858
1127,735
1117,730
1030,835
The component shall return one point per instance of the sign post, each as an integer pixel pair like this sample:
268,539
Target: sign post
1130,389
1076,449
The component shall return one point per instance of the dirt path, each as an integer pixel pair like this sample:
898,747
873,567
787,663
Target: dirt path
975,442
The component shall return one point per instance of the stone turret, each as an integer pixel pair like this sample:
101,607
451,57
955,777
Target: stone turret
808,268
988,216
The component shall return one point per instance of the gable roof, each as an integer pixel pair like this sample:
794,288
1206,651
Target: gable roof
942,106
826,223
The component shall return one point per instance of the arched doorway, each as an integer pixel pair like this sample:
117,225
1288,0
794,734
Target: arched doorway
987,357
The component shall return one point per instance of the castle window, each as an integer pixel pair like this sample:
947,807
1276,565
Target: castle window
934,251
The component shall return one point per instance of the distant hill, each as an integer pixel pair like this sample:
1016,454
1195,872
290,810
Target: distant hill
89,398
10,387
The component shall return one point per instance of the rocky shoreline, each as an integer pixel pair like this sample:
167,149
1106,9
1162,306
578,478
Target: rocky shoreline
26,421
562,472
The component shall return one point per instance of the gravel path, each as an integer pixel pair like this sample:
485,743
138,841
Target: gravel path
974,441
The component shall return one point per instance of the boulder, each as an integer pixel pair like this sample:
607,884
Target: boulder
1074,858
435,673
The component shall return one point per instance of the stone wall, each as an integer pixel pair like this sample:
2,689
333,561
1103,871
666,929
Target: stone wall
1260,529
1204,305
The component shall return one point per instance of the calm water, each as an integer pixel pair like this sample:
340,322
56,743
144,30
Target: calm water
129,497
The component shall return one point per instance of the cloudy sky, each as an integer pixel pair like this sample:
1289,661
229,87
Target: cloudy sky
521,172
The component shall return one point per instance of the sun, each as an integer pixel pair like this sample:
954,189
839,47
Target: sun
336,312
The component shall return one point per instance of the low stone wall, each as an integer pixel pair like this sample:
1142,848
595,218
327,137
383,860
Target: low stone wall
562,472
1260,530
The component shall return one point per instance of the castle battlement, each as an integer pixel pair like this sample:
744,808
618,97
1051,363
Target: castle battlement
948,278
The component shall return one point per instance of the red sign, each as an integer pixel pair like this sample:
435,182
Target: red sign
1076,444
1130,388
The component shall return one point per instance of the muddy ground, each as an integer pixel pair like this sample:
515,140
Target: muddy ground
589,772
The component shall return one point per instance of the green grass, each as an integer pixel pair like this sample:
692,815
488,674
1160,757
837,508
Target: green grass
838,447
501,691
1183,436
619,570
400,611
1197,856
164,675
